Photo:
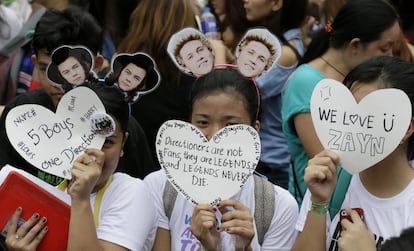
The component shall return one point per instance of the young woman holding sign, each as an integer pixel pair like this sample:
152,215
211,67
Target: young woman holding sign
107,211
221,98
384,191
349,40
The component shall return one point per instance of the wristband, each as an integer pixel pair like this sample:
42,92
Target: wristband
319,208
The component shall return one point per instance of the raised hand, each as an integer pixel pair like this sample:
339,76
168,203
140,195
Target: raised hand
321,175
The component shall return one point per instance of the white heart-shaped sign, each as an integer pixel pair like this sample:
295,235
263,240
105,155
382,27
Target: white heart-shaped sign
207,171
361,133
52,141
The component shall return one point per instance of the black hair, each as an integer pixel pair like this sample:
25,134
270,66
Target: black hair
71,26
290,16
114,102
363,19
390,72
229,81
404,242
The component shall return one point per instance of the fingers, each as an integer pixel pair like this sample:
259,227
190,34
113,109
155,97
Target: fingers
238,220
91,157
27,236
205,215
203,222
356,219
13,224
322,166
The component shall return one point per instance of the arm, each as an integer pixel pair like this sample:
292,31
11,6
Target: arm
162,240
320,177
219,51
307,134
82,231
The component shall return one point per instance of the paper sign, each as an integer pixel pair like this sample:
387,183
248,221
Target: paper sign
51,142
361,133
207,171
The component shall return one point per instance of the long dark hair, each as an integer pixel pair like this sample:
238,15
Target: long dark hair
390,72
228,80
363,19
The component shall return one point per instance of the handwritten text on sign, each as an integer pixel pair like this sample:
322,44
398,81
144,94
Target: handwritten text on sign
362,133
207,171
51,142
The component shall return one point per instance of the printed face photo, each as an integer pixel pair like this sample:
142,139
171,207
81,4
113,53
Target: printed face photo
72,71
131,77
253,59
196,57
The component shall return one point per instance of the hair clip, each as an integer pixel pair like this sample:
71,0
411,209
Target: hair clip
328,27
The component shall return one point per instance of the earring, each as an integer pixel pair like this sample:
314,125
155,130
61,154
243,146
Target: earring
122,153
402,142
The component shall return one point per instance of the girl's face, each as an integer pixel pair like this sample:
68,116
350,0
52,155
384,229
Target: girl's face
112,149
131,77
257,10
215,111
72,71
383,46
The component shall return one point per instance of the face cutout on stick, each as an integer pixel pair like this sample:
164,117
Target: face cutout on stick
257,52
70,66
192,52
135,74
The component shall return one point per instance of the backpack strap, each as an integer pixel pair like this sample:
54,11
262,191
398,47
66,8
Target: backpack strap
264,195
168,197
338,195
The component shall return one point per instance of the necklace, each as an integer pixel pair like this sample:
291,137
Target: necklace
333,67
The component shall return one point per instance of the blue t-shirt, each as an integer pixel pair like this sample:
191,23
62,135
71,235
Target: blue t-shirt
296,99
275,151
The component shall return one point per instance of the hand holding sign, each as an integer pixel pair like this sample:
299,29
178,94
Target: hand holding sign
51,142
361,133
207,171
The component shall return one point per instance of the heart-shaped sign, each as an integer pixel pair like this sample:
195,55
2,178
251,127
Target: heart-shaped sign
207,171
51,142
361,133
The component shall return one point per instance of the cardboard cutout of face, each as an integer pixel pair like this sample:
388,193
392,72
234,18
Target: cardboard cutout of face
135,74
192,52
257,52
70,66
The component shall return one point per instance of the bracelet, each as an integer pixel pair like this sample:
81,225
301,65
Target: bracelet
202,248
319,208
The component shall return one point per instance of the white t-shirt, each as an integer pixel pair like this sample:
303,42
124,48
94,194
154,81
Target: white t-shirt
280,236
385,218
127,215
